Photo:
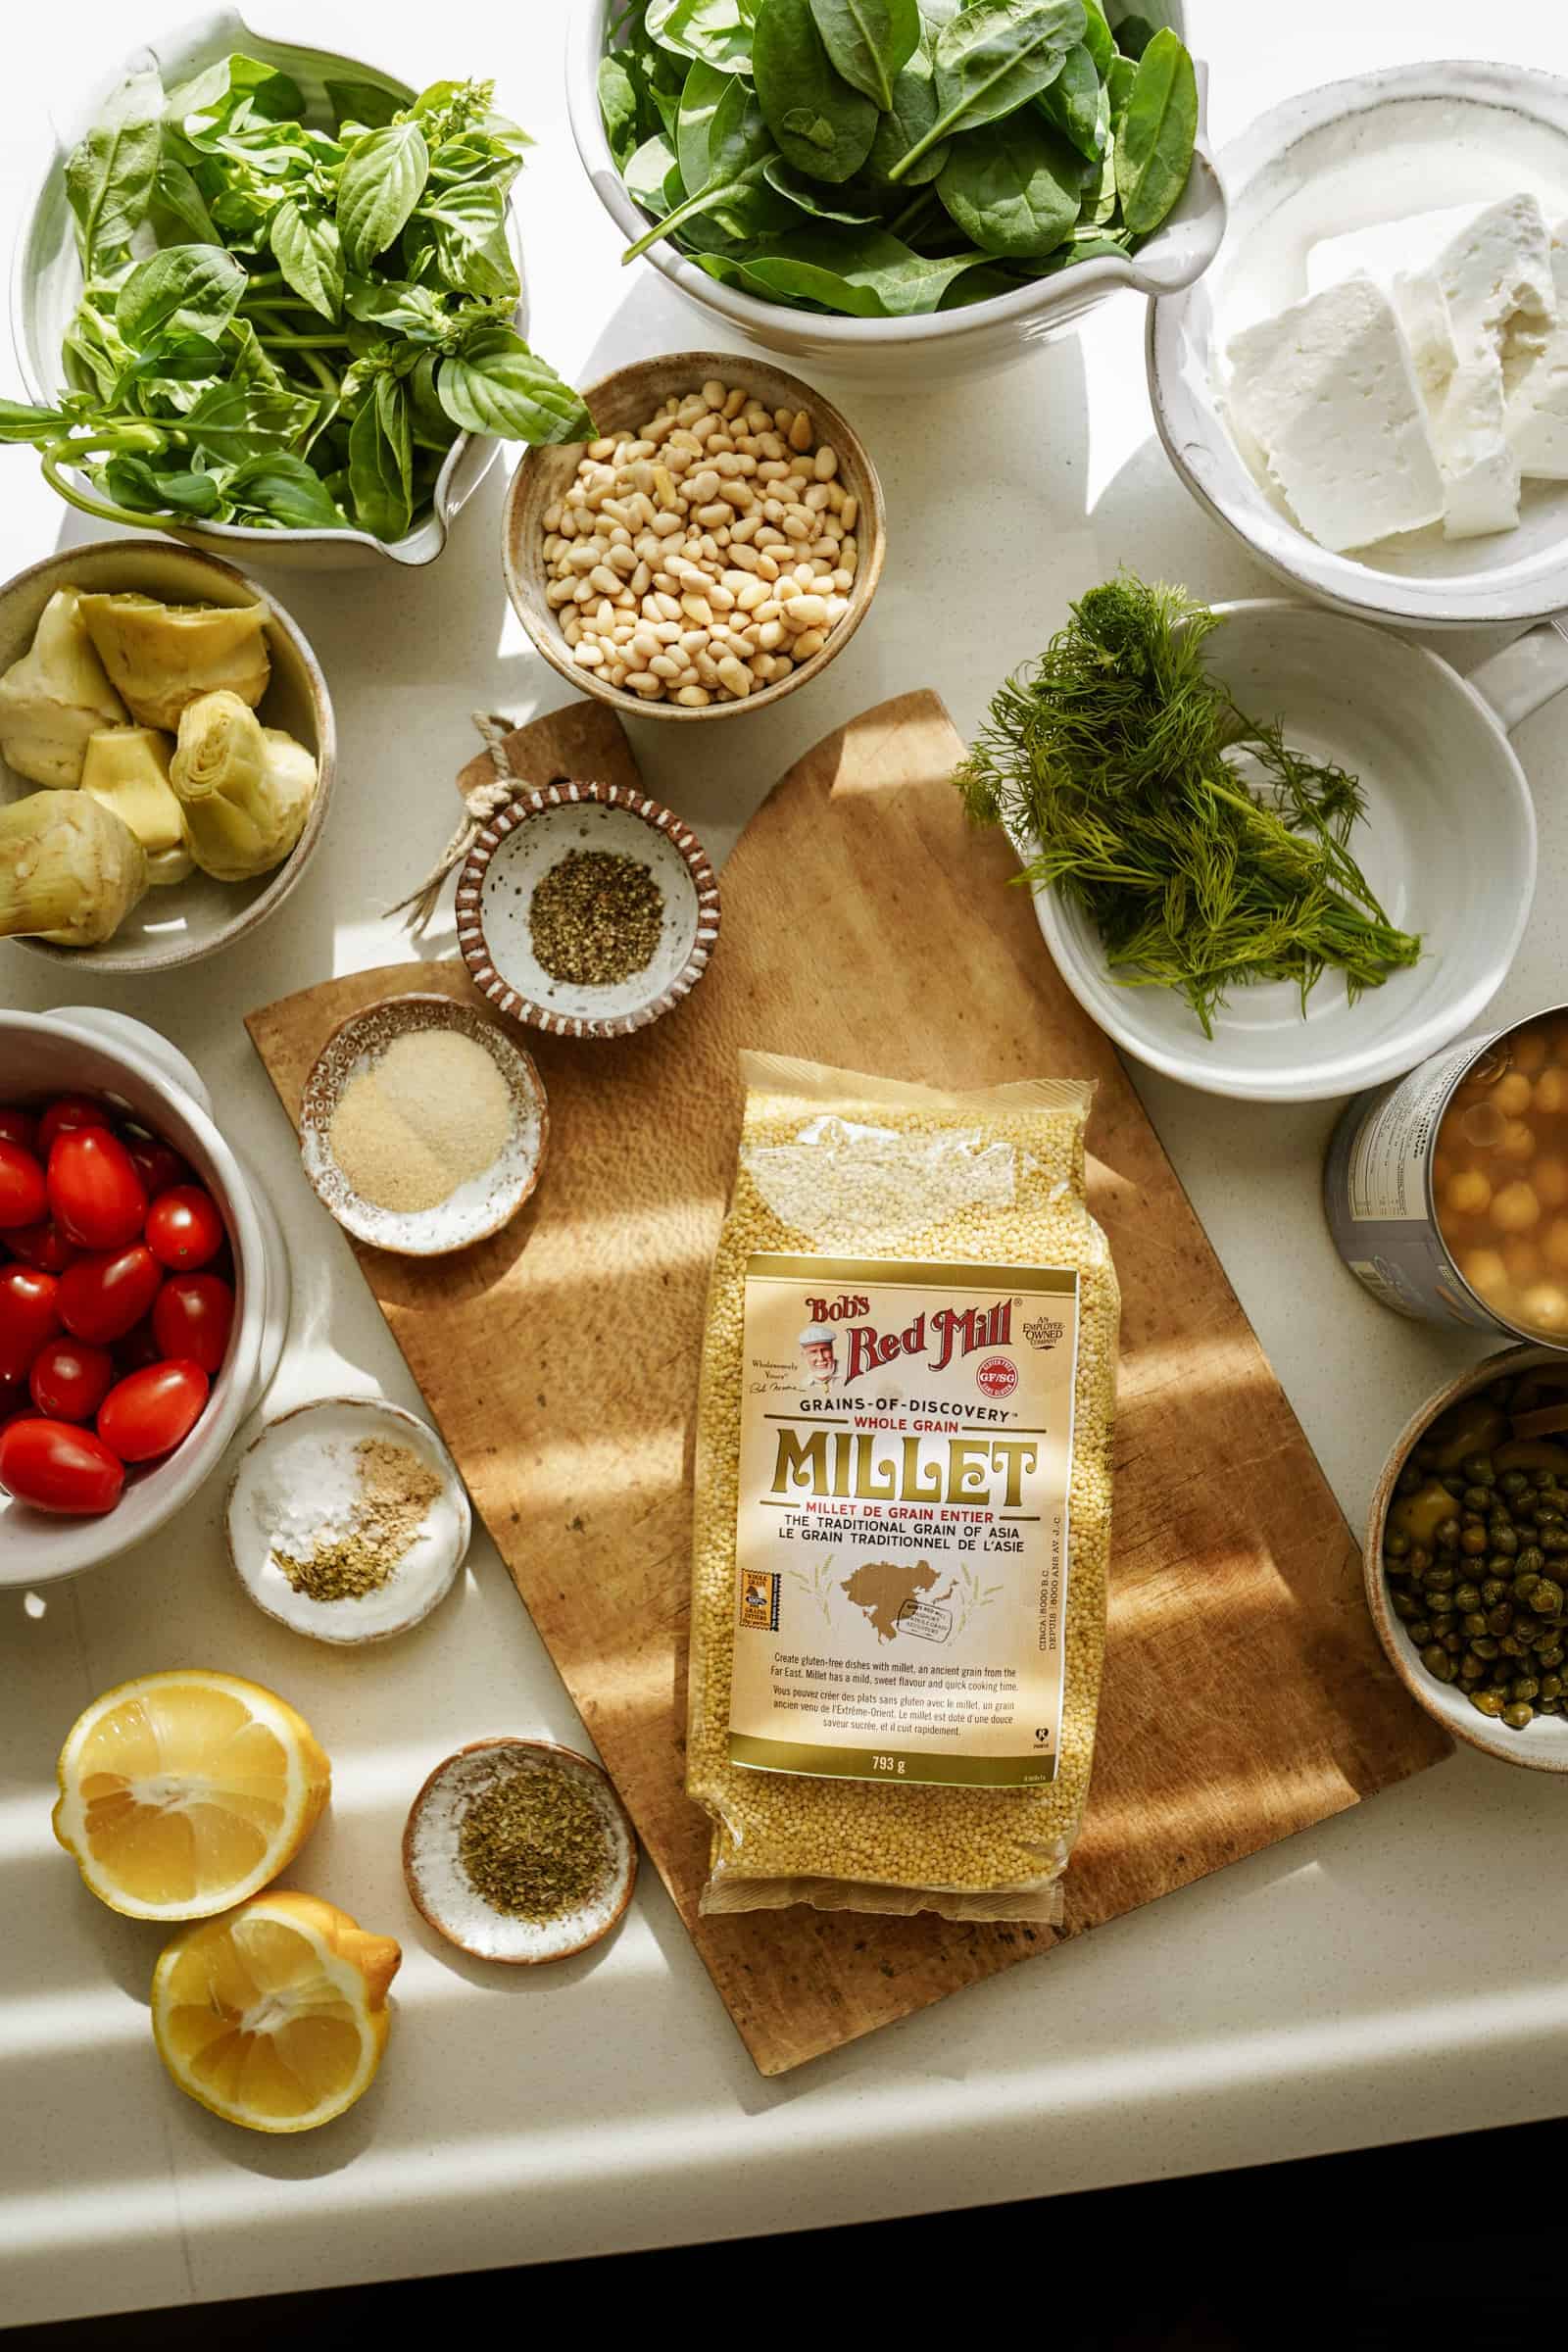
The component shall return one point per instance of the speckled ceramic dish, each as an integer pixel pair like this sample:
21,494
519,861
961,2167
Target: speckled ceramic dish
511,856
444,1895
479,1207
277,1467
625,401
1543,1746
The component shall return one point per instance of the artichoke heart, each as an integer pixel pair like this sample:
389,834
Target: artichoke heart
162,656
54,697
244,790
127,770
70,871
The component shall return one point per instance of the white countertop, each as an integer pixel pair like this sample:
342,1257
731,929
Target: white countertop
1393,1974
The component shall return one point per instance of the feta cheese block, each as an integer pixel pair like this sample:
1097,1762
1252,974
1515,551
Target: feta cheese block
1497,278
1536,417
1327,390
1388,249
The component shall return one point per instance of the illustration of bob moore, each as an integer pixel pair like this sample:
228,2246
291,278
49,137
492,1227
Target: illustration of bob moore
819,1348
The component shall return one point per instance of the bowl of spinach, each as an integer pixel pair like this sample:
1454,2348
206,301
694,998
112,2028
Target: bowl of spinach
269,301
887,185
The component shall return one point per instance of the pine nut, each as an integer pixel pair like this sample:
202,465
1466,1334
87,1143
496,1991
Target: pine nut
694,698
801,430
735,675
810,641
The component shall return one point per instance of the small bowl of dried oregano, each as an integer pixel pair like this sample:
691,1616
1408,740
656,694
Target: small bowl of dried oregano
586,910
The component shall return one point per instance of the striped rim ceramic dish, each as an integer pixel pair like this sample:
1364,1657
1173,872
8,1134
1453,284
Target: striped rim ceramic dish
526,841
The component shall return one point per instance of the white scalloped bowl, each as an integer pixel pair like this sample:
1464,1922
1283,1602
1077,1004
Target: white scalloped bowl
46,286
906,353
1348,156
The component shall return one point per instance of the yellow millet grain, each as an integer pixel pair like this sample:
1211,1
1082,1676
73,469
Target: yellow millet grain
992,1178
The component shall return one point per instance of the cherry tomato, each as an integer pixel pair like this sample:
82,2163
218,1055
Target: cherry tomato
94,1191
68,1112
42,1245
59,1468
69,1381
103,1297
137,1349
21,1127
192,1318
23,1197
29,1314
159,1166
151,1412
184,1229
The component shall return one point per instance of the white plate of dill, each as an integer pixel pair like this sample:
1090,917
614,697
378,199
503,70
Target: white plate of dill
1277,854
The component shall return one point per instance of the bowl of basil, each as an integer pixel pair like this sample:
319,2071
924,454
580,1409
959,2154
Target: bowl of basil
268,300
893,186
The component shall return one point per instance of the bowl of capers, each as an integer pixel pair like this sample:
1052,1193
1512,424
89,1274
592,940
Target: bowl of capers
1467,1558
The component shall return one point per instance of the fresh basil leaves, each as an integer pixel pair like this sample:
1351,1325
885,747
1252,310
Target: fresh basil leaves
329,302
880,158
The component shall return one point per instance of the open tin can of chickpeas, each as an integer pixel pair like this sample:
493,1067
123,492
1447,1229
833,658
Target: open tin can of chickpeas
1447,1190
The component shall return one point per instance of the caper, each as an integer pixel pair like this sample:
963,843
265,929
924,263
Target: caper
1554,1538
1502,1539
1478,1469
1483,1644
1531,1560
1524,1587
1519,1716
1447,1533
1453,1482
1410,1476
1487,1702
1474,1539
1524,1686
1421,1559
1512,1482
1546,1598
1493,1591
1453,1641
1437,1579
1403,1605
1467,1596
1550,1653
1512,1647
1471,1668
1396,1543
1476,1498
1551,1687
1472,1623
1419,1629
1438,1662
1500,1619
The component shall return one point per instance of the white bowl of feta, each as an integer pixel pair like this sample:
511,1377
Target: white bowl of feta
1370,388
1447,844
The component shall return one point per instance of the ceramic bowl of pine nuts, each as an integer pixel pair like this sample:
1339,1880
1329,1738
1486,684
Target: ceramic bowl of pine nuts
712,550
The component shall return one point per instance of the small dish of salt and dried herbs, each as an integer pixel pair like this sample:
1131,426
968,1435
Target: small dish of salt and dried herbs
347,1520
520,1850
586,910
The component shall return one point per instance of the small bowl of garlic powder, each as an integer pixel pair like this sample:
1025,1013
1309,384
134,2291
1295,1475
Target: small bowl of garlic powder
421,1126
347,1519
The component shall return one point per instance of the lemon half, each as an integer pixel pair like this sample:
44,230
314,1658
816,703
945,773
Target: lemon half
183,1792
275,2017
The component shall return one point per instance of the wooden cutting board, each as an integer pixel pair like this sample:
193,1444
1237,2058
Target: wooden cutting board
864,924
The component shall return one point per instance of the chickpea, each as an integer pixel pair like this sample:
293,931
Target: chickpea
1522,1259
1517,1141
1527,1052
1485,1271
1469,1193
1515,1209
1552,1092
1513,1092
1554,1244
1550,1176
1545,1307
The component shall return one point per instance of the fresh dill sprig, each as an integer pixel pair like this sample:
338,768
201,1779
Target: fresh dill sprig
1207,852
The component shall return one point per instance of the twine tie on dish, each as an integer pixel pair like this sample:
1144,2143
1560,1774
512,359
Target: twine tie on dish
480,805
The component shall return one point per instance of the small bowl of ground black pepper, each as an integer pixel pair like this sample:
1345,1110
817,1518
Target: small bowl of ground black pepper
347,1519
520,1850
423,1126
587,910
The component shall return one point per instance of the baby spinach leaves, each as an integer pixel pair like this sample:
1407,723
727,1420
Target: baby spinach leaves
867,41
822,126
1154,151
1013,187
327,305
878,158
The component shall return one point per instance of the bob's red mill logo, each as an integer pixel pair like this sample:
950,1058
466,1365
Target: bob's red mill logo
949,1333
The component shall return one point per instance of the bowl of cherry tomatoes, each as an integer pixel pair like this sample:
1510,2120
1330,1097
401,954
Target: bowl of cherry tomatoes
139,1290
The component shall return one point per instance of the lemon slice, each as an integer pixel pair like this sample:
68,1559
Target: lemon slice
274,2017
181,1793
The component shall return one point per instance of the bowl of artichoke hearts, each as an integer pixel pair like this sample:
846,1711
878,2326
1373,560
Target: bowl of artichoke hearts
166,756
